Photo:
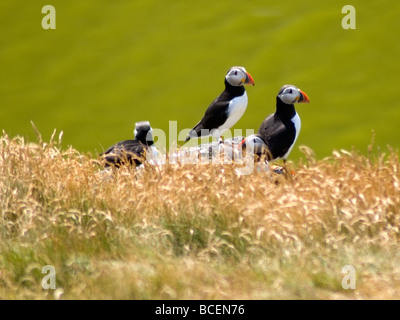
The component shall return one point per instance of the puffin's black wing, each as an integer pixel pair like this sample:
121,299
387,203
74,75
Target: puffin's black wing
127,151
277,134
215,116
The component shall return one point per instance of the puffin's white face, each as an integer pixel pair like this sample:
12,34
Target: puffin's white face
290,94
144,126
254,144
238,76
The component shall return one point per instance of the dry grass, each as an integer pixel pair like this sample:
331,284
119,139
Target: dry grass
196,232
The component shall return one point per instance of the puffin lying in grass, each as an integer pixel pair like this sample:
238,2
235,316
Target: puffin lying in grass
132,152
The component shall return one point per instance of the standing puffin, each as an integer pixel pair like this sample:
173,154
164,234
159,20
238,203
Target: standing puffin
227,108
131,151
279,131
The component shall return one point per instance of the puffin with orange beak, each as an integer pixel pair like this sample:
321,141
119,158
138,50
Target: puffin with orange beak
279,131
227,108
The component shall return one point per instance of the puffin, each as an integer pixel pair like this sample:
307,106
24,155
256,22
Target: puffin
131,152
279,131
227,108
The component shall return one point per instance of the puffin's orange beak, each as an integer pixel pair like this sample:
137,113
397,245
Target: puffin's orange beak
249,79
303,98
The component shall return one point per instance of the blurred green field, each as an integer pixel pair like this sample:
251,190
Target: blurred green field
109,64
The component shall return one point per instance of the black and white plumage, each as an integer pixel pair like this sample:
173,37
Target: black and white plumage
227,108
131,151
279,131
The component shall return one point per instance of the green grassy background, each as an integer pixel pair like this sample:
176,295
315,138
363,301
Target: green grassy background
112,63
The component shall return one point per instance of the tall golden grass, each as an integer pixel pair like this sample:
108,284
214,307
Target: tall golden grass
196,231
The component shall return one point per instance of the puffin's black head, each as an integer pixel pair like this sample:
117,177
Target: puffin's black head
289,94
143,132
238,76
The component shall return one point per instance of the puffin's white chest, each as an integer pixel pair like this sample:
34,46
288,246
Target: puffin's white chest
236,109
297,125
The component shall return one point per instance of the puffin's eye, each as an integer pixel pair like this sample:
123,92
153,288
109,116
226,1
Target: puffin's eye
290,91
235,73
